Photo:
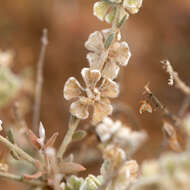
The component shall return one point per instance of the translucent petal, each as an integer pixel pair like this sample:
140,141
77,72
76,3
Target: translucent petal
90,77
110,16
100,9
132,3
94,60
95,42
109,89
79,110
102,109
120,53
72,89
110,70
132,6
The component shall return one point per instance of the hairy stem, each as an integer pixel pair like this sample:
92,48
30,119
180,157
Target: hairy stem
17,149
73,123
14,177
39,81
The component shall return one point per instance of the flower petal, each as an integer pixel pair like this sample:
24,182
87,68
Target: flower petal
94,60
90,77
102,109
132,6
79,110
110,70
110,16
100,9
109,88
72,89
95,42
107,32
120,53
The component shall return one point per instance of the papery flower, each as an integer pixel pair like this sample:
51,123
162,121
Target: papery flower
106,10
119,134
115,155
132,6
127,174
118,55
107,128
91,95
6,58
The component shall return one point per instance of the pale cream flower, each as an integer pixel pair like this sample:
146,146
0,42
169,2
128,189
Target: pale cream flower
132,6
115,155
119,53
127,174
105,11
98,97
119,134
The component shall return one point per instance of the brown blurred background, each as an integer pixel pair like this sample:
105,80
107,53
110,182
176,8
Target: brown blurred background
160,31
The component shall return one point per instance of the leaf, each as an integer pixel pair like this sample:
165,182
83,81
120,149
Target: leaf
34,139
51,140
10,136
109,41
145,107
71,167
79,135
122,21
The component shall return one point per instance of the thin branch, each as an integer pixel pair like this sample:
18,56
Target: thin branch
73,123
14,177
39,80
175,78
18,150
159,105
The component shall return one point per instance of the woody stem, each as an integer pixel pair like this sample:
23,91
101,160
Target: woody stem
73,123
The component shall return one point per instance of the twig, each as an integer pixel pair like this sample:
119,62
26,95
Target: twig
39,81
184,106
159,105
73,123
174,77
17,149
21,179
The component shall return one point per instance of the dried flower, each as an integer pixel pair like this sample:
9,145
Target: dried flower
119,53
115,155
93,96
106,10
127,174
120,135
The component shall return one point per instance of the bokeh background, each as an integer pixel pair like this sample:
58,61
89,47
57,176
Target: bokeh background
160,31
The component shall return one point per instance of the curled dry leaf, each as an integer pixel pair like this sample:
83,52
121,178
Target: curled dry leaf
71,167
51,140
34,139
171,136
145,107
34,176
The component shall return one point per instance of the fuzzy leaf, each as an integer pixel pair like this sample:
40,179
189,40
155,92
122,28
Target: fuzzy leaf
79,135
51,140
122,21
71,167
34,176
109,41
10,136
34,139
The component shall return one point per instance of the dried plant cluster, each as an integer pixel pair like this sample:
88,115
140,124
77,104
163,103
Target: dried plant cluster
34,160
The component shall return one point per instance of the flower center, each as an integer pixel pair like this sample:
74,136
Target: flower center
93,94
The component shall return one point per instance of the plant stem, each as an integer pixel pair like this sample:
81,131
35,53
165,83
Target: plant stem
39,81
21,179
17,149
116,18
73,123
